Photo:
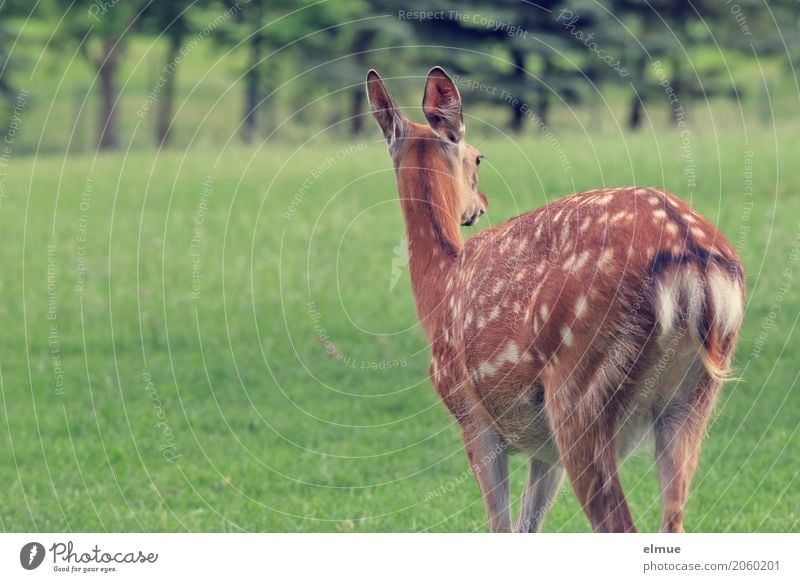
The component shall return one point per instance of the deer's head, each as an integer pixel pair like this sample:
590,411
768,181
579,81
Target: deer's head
437,148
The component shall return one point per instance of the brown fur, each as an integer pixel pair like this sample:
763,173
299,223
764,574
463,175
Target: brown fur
565,333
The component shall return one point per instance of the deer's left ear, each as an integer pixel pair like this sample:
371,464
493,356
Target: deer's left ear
441,105
384,109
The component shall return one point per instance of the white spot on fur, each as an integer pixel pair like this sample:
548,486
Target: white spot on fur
671,227
659,214
566,336
581,306
605,199
618,216
564,236
605,258
543,311
509,355
698,232
585,224
487,369
577,262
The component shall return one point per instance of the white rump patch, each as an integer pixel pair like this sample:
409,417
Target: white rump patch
684,286
726,295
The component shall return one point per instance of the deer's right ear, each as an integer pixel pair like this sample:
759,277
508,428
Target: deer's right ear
384,108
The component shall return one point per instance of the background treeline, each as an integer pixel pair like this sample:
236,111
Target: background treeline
116,74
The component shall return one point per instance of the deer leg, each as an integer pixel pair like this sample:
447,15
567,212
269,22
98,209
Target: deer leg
679,431
584,428
544,481
486,451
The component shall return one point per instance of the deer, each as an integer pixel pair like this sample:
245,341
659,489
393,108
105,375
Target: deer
571,334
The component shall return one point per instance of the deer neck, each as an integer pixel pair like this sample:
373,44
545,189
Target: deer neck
434,238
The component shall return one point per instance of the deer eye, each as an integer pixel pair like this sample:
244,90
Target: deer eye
478,160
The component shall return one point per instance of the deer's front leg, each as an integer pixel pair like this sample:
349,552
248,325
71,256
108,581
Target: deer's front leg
486,451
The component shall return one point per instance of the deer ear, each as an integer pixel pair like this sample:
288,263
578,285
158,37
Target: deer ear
384,108
442,105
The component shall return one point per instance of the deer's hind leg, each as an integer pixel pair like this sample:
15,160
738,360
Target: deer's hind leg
583,412
679,431
486,451
544,481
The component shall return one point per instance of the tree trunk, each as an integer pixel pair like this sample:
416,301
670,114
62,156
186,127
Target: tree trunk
543,107
517,120
361,44
356,112
167,98
636,107
677,87
108,138
251,90
543,94
635,112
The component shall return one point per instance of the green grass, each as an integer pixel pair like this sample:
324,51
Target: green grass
275,434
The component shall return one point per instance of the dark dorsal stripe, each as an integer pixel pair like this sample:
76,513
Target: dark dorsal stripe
425,187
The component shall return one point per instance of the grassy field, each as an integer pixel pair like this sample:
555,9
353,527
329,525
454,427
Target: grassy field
227,341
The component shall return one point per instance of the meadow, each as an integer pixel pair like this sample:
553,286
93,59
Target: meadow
224,338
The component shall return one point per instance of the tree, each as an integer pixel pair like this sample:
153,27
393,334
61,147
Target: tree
530,38
172,21
102,32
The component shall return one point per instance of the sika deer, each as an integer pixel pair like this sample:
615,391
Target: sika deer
568,333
